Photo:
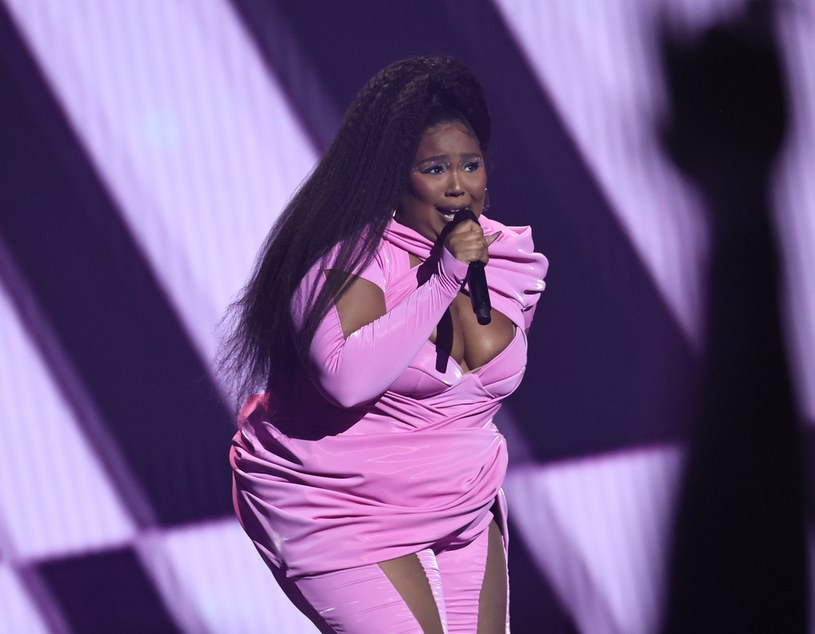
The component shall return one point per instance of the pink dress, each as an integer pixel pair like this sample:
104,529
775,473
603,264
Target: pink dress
389,447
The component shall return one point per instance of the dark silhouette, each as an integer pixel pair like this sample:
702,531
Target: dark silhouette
739,552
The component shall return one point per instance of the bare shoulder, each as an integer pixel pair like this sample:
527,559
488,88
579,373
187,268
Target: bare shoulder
360,302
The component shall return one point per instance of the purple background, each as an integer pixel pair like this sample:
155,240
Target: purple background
147,148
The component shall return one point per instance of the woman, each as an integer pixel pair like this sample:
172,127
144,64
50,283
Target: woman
368,473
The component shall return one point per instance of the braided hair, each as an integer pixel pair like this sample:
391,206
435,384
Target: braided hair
347,200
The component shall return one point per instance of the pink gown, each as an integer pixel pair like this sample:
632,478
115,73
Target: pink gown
389,447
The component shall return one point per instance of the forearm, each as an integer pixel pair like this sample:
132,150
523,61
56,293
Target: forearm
358,369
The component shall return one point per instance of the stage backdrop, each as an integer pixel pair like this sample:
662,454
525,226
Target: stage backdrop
148,146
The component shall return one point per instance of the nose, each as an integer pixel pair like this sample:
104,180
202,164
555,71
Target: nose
454,186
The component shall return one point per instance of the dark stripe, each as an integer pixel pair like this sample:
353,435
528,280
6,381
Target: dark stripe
313,105
64,373
106,592
535,604
98,315
809,466
48,608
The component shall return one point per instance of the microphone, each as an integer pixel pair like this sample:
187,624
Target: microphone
476,278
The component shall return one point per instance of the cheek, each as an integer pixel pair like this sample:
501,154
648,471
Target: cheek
424,189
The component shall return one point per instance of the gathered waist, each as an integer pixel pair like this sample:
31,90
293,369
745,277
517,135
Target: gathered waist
379,500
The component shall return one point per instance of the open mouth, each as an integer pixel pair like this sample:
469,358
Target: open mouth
449,213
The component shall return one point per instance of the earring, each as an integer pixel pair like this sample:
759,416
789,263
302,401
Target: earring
486,201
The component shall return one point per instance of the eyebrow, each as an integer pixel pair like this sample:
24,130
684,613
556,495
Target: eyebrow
444,157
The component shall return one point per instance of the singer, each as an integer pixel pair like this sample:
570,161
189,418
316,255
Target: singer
367,470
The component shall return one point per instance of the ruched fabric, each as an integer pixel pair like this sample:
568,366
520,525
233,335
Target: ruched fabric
416,458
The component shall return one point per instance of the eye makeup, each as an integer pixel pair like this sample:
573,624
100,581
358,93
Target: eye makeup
438,165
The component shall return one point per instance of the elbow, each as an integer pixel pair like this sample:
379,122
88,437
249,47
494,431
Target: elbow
349,401
344,395
340,389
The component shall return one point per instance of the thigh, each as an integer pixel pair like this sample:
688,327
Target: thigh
394,596
416,578
474,579
493,601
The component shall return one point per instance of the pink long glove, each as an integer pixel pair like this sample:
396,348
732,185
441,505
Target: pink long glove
358,369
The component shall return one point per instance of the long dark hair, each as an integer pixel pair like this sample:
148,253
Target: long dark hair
347,200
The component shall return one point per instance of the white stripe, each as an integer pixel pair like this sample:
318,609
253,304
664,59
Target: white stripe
598,528
194,140
19,614
55,497
225,579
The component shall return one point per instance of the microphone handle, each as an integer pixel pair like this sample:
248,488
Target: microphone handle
476,278
479,294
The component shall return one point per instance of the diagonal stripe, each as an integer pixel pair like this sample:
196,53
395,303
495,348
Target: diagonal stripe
121,346
227,581
547,610
27,605
19,614
54,496
193,139
605,345
607,91
314,106
106,592
599,530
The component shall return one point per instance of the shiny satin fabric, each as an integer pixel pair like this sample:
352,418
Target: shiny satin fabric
320,488
364,601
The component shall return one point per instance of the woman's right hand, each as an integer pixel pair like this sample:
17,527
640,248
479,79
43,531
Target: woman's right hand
467,243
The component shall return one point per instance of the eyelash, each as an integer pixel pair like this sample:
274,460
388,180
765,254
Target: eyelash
469,166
